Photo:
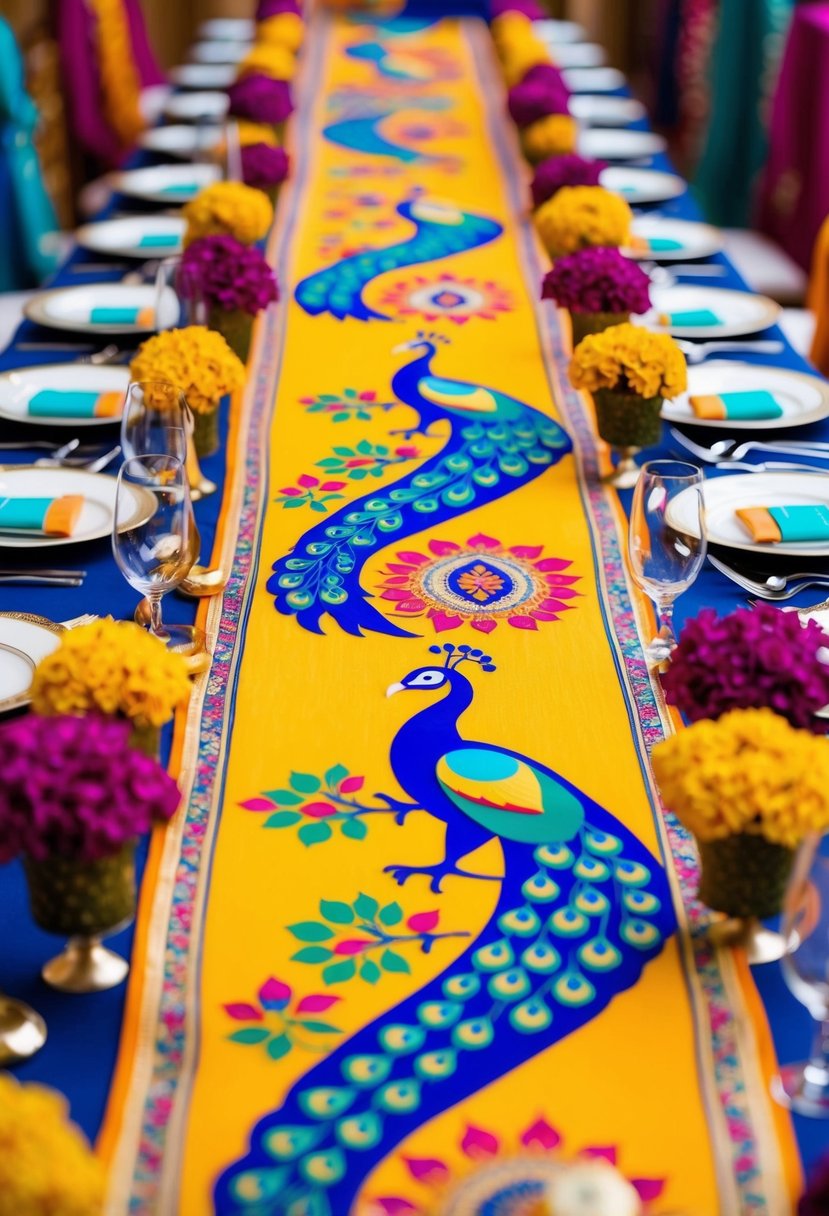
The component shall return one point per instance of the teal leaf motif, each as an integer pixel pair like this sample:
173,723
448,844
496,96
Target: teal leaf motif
321,1028
355,829
335,775
370,972
365,906
282,819
338,973
394,962
284,797
391,914
313,954
337,912
311,931
250,1035
305,783
279,1046
314,833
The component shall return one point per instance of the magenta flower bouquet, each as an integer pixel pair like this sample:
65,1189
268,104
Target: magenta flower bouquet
273,8
558,171
73,789
261,99
229,275
532,99
264,166
528,8
752,658
597,281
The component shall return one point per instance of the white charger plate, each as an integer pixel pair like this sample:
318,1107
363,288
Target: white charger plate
599,110
577,54
98,490
219,51
197,105
170,184
25,640
69,307
182,139
723,496
594,80
803,398
641,185
138,236
741,312
19,386
234,29
203,75
556,32
600,143
694,240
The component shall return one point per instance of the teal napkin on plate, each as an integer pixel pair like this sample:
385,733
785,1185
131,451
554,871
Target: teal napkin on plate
55,403
24,514
187,188
690,317
120,316
663,244
807,523
749,405
162,240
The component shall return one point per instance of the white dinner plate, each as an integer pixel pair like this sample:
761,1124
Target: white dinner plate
98,490
19,386
724,496
234,29
219,52
577,54
172,184
594,80
803,398
640,186
600,143
684,239
135,236
739,312
195,106
203,75
70,308
183,139
599,110
555,32
25,640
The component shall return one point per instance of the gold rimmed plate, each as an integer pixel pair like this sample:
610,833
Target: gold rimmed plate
25,640
97,491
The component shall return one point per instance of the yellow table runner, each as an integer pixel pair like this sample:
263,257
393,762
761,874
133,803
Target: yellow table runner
351,1000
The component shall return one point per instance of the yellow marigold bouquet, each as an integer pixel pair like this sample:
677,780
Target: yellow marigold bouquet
747,772
256,133
46,1165
629,359
111,667
228,208
269,59
552,135
579,216
518,59
195,358
284,29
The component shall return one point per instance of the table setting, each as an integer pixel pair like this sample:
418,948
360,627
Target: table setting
245,431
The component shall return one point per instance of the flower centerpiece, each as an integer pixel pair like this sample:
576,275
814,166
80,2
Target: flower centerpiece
579,216
46,1167
519,47
527,8
254,133
204,367
271,8
114,668
750,787
265,168
234,281
228,207
74,799
541,92
599,287
552,135
553,174
262,100
629,371
753,657
281,29
269,59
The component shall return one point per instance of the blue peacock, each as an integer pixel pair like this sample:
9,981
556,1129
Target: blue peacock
583,906
392,63
441,230
363,133
496,445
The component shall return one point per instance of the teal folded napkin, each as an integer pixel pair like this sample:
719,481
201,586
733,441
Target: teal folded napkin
690,317
663,244
71,403
751,405
24,514
121,316
162,240
806,523
187,188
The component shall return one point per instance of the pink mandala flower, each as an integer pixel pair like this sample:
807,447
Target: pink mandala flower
449,298
481,584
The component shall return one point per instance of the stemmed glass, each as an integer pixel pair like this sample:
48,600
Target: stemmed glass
667,542
805,1087
179,299
156,420
153,535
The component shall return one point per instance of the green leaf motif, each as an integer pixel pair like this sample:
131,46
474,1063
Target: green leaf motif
340,417
338,973
284,797
305,783
330,462
294,502
344,451
313,954
311,931
319,507
252,1034
320,1027
354,828
365,906
314,833
335,775
370,972
390,961
364,447
279,1046
282,819
335,911
391,914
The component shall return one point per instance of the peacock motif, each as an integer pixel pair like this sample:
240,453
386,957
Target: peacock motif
364,134
496,444
441,230
582,908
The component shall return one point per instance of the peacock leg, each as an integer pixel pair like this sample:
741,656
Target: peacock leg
462,838
401,809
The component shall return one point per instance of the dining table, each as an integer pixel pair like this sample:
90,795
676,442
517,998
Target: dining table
421,926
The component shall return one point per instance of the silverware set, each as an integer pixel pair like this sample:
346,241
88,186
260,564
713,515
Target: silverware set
728,453
774,586
43,578
697,352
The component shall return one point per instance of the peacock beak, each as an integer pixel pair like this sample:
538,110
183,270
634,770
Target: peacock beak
393,688
402,348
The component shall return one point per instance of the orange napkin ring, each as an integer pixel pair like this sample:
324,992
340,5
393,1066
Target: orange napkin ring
62,516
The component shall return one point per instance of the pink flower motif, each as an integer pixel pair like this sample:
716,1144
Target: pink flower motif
351,785
392,1205
540,1134
241,1012
423,922
354,945
430,1170
307,481
291,492
332,485
649,1189
257,804
602,1152
479,1144
274,994
319,810
405,453
367,396
316,1003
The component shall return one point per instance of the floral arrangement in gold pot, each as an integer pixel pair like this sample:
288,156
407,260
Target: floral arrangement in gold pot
579,216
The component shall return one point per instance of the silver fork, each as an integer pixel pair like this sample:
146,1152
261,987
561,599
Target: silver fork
725,450
696,352
762,590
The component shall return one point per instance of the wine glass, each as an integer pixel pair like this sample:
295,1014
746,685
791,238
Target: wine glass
179,299
666,540
152,535
156,420
804,1087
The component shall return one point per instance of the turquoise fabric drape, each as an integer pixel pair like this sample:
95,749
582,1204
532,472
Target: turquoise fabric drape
744,64
28,227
